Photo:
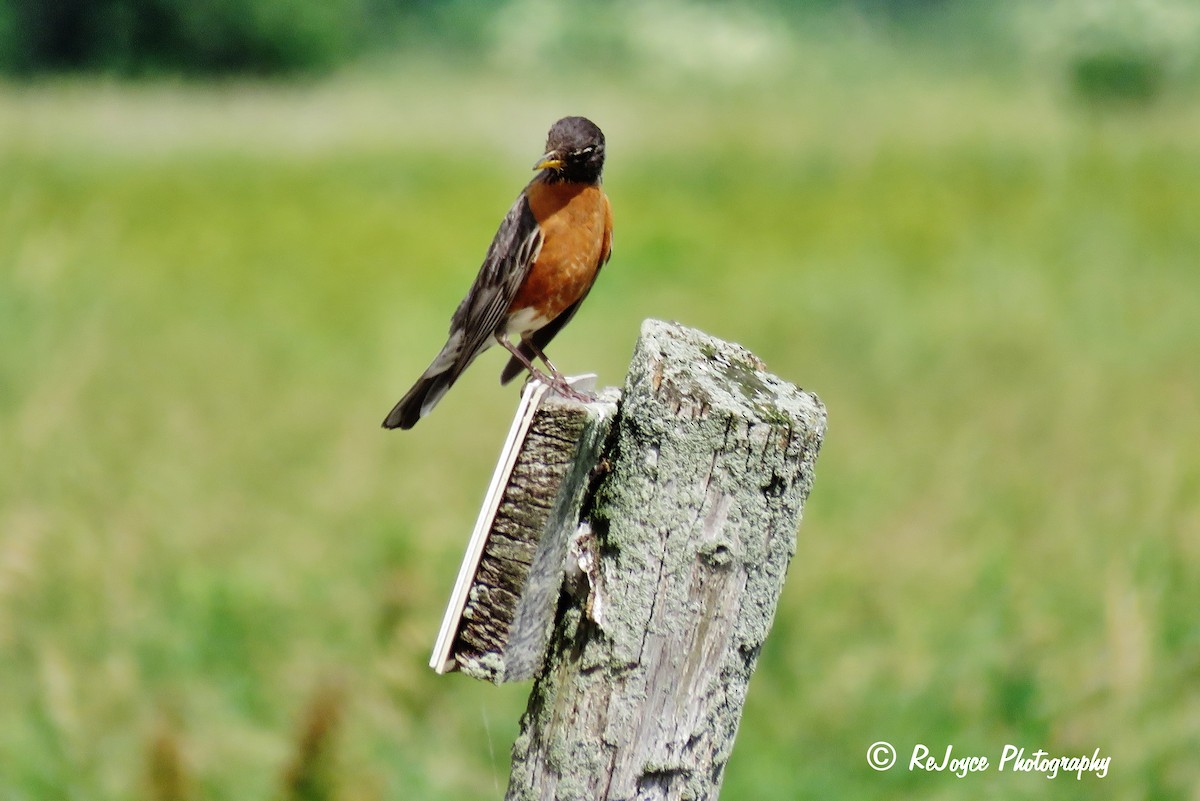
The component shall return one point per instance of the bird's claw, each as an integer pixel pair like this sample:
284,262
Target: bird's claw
560,386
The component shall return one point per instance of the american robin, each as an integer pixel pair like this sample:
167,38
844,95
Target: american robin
539,268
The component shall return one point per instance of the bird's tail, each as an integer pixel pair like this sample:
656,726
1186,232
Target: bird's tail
419,400
430,387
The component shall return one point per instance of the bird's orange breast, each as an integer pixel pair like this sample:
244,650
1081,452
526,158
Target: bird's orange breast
576,223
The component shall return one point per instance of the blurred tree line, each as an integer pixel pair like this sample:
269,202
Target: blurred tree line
134,37
1102,50
212,37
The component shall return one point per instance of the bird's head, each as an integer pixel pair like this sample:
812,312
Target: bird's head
574,151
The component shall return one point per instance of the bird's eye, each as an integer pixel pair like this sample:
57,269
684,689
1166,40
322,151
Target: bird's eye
587,151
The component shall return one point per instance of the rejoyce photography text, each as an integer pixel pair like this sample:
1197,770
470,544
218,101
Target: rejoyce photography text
1013,758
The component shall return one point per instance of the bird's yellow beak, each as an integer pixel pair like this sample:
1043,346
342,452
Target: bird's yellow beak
550,161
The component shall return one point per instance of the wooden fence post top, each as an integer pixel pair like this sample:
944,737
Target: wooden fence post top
676,504
744,443
702,374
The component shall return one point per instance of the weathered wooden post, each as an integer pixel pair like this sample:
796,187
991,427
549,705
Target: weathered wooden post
679,538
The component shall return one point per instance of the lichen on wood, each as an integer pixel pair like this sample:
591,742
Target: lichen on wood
709,464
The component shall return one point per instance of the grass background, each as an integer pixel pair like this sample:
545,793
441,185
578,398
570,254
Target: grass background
210,294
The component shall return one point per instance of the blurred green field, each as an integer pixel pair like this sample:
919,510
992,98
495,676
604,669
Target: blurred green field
211,295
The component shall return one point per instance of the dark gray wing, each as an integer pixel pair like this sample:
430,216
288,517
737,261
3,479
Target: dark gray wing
481,314
509,260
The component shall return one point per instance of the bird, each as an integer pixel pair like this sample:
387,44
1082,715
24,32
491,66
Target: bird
538,270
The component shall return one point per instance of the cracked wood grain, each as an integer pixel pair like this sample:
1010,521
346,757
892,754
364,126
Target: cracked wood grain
711,460
510,606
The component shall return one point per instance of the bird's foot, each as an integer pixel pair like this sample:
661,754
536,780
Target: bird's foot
563,387
559,381
560,385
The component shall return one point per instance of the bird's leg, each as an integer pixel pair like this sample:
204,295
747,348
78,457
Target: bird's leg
533,371
557,380
545,360
560,381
